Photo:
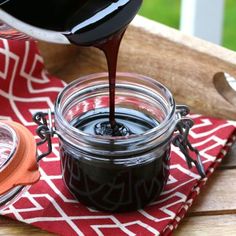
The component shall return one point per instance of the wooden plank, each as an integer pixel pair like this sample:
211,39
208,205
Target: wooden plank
11,227
207,226
229,161
186,65
217,196
201,225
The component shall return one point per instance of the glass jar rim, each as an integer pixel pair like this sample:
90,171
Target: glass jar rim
158,129
14,144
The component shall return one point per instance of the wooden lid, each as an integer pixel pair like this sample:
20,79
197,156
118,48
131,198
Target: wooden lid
20,167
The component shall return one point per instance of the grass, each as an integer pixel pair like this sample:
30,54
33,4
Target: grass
229,39
168,13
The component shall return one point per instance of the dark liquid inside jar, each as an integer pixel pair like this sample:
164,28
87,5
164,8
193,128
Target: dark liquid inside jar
128,122
112,187
109,185
115,170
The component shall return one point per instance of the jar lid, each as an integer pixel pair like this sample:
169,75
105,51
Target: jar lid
18,164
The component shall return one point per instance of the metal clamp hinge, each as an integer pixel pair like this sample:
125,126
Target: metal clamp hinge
181,141
45,131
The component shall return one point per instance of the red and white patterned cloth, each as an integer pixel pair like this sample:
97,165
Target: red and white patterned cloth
26,87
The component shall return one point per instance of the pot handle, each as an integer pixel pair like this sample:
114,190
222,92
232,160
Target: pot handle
45,131
180,139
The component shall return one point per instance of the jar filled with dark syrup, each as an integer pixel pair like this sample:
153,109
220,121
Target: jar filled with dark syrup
119,171
115,130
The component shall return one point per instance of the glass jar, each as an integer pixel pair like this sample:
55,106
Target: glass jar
116,173
109,173
18,164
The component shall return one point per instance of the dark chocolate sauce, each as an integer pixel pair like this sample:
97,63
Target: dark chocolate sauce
45,14
85,23
111,50
113,187
109,184
110,46
128,122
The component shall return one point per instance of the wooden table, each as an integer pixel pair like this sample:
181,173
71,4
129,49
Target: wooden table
187,66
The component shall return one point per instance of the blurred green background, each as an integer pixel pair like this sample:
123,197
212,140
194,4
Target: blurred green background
168,13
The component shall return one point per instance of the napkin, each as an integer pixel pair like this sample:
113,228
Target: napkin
25,88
